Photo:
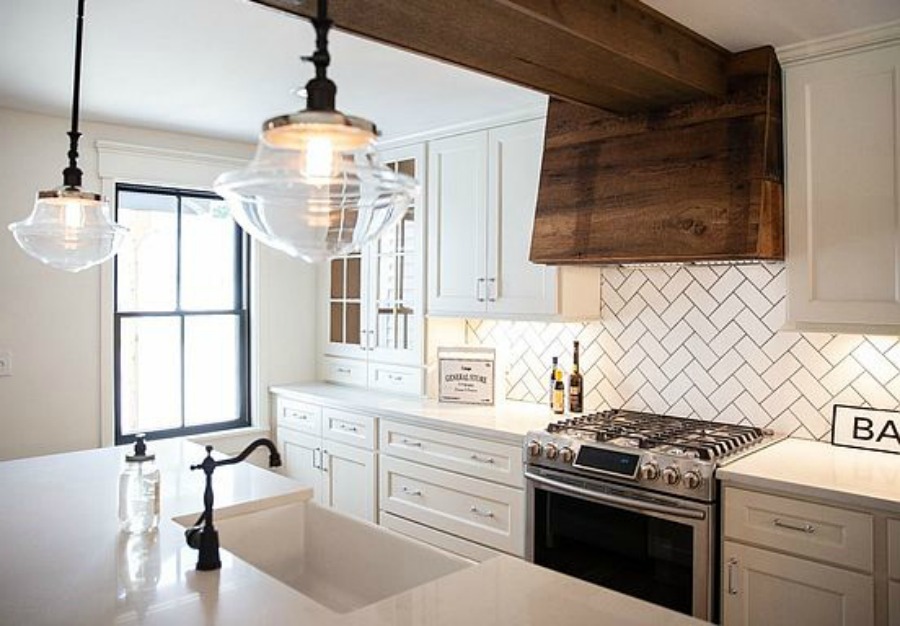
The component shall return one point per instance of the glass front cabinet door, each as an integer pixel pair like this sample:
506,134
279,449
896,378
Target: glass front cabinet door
375,296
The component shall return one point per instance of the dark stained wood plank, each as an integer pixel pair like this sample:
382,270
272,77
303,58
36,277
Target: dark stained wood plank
618,55
696,182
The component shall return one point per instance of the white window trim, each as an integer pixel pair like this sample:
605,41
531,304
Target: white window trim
144,165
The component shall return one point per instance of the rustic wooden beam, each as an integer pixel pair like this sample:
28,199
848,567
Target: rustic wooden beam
619,55
696,182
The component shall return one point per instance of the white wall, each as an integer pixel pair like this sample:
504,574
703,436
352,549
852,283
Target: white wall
51,320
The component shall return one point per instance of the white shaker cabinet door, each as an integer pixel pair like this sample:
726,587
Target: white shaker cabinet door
300,459
515,285
350,480
764,588
843,182
457,239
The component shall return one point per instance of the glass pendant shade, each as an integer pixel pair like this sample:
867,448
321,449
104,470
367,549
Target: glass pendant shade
69,229
316,187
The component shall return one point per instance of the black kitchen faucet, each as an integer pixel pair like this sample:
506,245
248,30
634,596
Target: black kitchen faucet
203,536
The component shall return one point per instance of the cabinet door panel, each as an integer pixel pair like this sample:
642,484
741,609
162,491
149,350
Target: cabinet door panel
843,205
763,587
457,205
350,478
300,455
515,284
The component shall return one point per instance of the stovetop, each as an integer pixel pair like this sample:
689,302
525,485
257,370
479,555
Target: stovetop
675,435
672,455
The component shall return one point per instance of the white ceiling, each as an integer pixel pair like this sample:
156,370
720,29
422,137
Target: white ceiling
220,67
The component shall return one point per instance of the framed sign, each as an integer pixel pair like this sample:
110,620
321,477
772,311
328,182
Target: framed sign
868,429
466,375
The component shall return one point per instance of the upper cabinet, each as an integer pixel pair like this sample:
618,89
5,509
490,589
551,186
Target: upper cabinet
373,316
482,192
843,209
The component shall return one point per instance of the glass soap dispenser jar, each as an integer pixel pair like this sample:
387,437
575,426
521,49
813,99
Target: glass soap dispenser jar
139,491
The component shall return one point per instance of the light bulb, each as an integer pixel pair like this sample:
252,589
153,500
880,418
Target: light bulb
319,159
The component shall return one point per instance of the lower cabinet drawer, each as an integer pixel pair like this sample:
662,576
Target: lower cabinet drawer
355,429
396,379
486,513
807,529
298,416
488,460
451,543
345,371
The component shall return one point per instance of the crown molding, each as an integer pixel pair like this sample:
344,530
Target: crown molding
151,165
511,117
837,45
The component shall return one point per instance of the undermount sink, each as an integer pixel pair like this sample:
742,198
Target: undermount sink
339,562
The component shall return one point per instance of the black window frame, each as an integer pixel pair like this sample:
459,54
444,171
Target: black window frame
241,310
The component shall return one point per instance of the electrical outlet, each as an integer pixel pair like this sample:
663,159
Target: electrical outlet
5,363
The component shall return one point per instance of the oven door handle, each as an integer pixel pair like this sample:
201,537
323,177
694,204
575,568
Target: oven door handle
625,503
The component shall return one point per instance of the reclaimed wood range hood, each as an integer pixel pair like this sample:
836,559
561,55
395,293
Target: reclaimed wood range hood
660,145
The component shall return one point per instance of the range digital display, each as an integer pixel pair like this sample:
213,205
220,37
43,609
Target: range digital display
620,463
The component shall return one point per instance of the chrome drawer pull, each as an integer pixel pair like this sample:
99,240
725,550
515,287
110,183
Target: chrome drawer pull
410,491
349,429
805,528
344,370
411,443
395,377
486,513
482,459
732,589
298,416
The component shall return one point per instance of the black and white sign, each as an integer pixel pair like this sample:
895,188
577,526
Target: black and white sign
467,375
869,429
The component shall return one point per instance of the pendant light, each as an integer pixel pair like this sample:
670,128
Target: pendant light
316,187
69,228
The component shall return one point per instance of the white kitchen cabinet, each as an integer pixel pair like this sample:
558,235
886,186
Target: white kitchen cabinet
792,562
460,493
773,589
332,451
482,193
843,205
349,480
372,312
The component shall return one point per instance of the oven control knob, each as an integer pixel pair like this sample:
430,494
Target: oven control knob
671,475
566,455
649,471
534,448
551,451
692,479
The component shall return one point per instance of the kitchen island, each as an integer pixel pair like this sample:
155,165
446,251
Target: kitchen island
65,562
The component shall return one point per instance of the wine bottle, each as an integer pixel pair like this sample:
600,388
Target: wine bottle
553,371
559,393
576,386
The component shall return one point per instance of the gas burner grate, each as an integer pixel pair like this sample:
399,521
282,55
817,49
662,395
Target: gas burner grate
676,435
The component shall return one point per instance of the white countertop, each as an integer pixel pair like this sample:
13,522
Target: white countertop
64,561
507,421
858,478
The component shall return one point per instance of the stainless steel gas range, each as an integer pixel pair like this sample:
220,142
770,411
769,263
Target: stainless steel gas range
628,500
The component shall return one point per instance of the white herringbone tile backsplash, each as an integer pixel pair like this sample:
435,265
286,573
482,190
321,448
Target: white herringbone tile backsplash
701,341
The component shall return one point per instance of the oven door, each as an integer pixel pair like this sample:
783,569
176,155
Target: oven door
653,547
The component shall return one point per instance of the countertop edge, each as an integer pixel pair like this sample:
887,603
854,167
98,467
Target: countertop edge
406,417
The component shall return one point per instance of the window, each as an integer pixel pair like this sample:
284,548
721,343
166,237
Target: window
181,320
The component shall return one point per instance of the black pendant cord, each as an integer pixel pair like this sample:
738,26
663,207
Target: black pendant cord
72,174
321,91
